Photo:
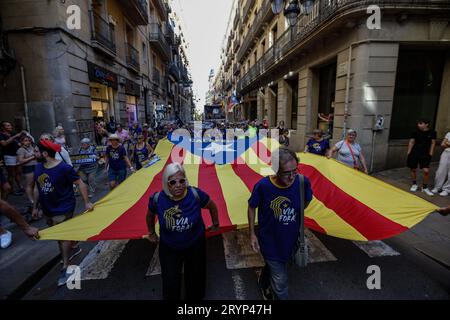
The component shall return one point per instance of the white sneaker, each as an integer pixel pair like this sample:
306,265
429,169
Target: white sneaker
444,193
6,240
435,190
414,188
428,192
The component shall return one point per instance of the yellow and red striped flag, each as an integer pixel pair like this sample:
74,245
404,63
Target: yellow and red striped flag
347,204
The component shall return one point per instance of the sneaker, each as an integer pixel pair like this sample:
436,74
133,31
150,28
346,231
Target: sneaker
428,192
435,190
63,277
444,193
266,292
414,188
5,239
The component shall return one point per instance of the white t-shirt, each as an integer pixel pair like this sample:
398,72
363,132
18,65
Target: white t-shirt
345,156
64,156
447,136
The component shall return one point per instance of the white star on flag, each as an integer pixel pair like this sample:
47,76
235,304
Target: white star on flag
217,148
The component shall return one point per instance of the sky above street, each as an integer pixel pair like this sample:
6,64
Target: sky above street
204,23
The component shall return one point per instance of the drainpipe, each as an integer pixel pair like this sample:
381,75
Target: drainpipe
347,89
25,99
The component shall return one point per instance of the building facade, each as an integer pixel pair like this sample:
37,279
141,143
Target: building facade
341,67
115,66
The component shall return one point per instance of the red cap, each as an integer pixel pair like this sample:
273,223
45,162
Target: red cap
50,145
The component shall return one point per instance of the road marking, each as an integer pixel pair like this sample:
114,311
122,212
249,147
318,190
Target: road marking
154,267
238,252
100,260
317,252
376,248
239,255
239,286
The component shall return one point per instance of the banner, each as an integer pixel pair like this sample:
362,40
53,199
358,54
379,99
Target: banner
347,204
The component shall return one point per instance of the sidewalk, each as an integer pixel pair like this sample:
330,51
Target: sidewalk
431,237
25,261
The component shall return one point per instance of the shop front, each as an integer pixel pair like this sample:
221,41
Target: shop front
103,87
132,93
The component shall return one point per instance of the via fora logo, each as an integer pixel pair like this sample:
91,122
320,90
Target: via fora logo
374,280
74,281
374,21
73,22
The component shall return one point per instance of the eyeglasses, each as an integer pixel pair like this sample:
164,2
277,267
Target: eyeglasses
287,173
174,182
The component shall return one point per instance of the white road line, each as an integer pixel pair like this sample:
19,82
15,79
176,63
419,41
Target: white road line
239,255
317,252
239,286
154,267
376,248
238,252
100,260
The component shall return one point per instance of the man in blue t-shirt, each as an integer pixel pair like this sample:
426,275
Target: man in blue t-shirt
54,182
117,162
278,201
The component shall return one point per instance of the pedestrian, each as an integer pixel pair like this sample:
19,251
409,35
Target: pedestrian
442,179
265,124
18,219
116,162
9,141
5,187
182,231
141,151
278,201
59,136
124,136
420,151
88,171
27,159
284,138
62,155
349,152
146,132
317,144
111,126
281,126
55,194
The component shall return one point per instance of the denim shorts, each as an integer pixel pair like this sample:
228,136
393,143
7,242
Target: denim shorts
117,175
28,169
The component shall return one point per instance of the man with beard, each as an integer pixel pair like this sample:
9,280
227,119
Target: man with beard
54,193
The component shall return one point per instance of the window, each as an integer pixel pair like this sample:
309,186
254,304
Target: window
144,53
417,90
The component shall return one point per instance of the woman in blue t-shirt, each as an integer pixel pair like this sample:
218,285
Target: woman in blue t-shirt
317,144
116,162
141,151
182,233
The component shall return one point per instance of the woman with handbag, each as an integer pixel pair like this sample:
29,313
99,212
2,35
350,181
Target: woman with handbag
280,200
349,152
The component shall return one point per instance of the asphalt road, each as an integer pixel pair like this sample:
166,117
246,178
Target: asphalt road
120,270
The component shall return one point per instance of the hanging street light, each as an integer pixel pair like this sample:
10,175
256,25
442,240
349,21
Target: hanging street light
292,12
277,6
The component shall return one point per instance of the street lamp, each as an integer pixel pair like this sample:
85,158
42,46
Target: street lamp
291,12
277,6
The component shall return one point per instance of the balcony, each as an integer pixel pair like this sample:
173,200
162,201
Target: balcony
228,84
264,16
132,58
136,10
158,40
249,4
236,20
103,35
170,34
161,6
174,71
236,45
324,14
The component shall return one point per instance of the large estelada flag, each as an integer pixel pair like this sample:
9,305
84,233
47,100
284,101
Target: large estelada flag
347,204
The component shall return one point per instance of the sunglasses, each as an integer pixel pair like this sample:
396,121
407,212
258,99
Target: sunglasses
174,182
288,173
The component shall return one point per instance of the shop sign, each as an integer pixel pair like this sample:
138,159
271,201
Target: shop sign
132,88
101,75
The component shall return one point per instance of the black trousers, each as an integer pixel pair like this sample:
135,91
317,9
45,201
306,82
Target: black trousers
194,261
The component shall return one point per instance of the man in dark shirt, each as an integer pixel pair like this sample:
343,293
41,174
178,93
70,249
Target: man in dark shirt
9,142
420,151
54,183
